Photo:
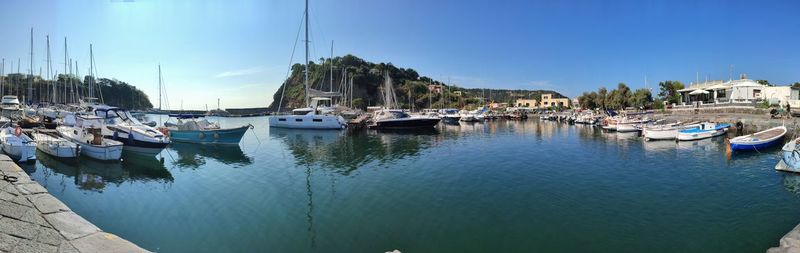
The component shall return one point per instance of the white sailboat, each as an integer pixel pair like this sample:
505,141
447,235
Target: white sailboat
311,117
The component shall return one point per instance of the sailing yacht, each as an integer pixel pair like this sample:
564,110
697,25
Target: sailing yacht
313,116
389,118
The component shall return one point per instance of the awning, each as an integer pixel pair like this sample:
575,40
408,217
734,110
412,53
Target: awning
698,92
717,87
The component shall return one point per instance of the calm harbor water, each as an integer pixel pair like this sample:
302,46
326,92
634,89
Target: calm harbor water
500,186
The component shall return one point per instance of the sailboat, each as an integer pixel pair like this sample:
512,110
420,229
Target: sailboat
389,118
311,117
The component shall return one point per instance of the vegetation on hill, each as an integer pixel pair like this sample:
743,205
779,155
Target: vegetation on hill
411,89
114,92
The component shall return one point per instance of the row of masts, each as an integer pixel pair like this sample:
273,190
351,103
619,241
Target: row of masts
67,91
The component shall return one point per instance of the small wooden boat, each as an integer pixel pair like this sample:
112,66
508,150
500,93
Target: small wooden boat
702,131
17,144
52,144
760,140
790,157
665,131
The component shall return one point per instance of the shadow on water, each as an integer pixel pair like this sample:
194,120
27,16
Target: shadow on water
194,156
94,175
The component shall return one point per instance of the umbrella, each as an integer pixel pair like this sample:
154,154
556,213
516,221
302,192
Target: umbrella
698,92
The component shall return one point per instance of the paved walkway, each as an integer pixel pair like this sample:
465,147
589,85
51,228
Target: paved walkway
32,220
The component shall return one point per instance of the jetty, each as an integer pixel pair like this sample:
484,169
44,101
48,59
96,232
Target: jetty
32,220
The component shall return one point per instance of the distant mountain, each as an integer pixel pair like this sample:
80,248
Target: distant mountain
410,87
114,92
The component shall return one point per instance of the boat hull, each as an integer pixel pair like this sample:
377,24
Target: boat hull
756,146
406,123
308,122
20,153
623,128
56,147
217,136
760,140
701,134
660,134
103,153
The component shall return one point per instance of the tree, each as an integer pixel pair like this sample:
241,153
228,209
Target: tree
642,98
796,85
763,82
622,99
669,91
602,97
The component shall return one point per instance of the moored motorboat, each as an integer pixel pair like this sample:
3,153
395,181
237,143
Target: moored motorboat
702,131
87,133
191,129
121,126
398,119
759,140
17,144
52,144
790,157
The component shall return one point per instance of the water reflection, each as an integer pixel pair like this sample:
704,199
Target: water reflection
343,153
194,155
791,181
93,175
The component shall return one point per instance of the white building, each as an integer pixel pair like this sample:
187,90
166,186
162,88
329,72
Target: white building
736,92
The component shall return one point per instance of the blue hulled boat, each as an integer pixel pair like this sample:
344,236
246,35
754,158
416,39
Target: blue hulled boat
760,140
190,129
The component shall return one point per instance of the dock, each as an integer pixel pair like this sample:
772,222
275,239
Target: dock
358,123
32,220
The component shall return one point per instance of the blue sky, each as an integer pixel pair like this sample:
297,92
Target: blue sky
239,51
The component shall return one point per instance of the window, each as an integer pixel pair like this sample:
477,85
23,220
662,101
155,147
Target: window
298,120
756,93
281,119
527,104
317,120
720,93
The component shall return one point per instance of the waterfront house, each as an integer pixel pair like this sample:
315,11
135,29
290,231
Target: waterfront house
523,102
743,91
549,101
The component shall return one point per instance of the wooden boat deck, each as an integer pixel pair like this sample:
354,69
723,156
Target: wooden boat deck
768,134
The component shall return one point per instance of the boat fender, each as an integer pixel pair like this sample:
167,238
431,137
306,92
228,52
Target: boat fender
739,125
18,131
201,135
116,135
216,136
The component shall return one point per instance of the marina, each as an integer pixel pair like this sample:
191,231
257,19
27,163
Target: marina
515,168
399,126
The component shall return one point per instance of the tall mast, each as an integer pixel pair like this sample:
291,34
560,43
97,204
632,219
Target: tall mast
91,73
305,77
66,73
159,87
30,78
49,72
2,75
331,82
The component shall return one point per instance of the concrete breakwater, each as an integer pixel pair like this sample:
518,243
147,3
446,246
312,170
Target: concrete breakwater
32,220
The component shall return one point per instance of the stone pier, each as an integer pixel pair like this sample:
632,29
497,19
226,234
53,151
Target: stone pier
32,220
